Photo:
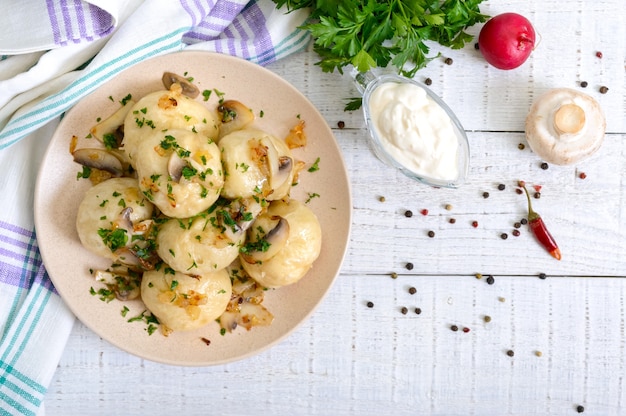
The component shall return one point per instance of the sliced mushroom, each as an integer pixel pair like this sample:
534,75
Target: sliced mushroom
242,213
260,247
99,159
565,126
126,286
131,258
114,124
175,166
122,156
234,115
285,166
188,89
245,308
124,221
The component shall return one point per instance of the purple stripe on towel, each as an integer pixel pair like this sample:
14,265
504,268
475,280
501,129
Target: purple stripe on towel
212,25
54,22
67,21
80,19
18,245
75,21
262,40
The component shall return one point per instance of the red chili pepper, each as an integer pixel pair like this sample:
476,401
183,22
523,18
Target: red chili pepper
538,227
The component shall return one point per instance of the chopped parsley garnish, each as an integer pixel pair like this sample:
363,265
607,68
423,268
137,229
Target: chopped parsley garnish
113,239
85,174
168,142
126,99
110,141
311,196
105,295
188,172
315,166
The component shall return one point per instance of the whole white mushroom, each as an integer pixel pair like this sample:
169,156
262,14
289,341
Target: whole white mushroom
565,126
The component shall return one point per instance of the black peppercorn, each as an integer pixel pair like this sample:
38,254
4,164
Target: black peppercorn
476,46
524,221
504,236
501,187
452,220
510,353
370,304
448,61
418,311
580,409
409,266
485,195
412,290
584,84
490,280
604,90
431,234
341,124
542,276
537,195
428,81
544,165
404,310
454,328
408,213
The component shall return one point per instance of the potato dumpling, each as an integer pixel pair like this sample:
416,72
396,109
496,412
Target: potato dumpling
255,164
110,213
182,302
180,171
198,245
294,244
164,110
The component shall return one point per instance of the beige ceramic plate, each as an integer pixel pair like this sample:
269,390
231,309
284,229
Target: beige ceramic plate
59,193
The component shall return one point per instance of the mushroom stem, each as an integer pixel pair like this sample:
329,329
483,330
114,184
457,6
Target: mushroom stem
569,119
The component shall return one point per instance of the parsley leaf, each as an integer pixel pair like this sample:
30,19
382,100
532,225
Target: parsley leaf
376,33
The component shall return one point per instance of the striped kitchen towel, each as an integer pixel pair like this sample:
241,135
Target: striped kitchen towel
66,50
70,47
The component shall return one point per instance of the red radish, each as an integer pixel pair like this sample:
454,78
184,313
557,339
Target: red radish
507,40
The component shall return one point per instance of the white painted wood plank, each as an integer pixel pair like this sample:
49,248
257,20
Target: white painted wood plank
585,216
350,359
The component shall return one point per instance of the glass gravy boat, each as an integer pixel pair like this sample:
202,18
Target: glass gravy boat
367,83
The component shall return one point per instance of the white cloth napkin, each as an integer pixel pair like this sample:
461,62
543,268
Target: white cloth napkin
52,54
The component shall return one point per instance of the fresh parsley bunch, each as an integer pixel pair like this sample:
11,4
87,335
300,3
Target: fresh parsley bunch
374,33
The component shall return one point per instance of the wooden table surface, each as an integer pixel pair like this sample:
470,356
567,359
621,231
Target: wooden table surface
567,331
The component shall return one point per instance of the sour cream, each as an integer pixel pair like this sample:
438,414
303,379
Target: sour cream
415,130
